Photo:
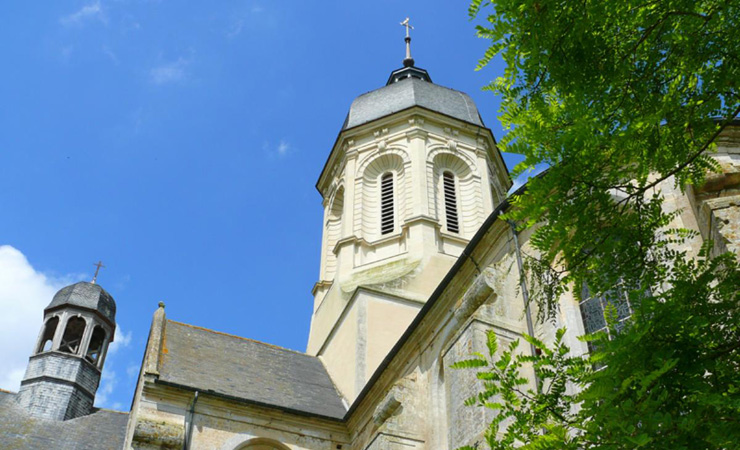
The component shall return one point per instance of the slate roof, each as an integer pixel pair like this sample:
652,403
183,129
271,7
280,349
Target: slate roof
101,430
245,369
410,92
86,295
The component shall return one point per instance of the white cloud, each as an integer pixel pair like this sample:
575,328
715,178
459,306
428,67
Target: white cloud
65,54
133,371
109,378
283,148
170,72
235,29
120,340
280,150
91,12
109,53
108,382
24,293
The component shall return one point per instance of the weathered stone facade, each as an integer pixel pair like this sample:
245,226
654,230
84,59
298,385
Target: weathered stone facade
416,267
54,407
717,202
59,386
394,310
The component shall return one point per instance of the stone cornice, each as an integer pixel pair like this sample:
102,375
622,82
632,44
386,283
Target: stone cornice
416,116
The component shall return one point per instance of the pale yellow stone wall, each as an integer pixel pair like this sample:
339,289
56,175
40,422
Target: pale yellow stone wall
387,319
341,351
717,203
223,425
415,401
416,146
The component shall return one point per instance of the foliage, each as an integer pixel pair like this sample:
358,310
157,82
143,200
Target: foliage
616,97
521,410
622,100
668,381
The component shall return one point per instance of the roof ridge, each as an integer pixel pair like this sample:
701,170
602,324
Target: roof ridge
7,392
112,411
241,337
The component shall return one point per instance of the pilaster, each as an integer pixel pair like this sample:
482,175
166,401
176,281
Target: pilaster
485,178
417,148
348,213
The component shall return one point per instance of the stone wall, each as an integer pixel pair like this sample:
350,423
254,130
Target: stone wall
59,386
51,399
717,202
163,421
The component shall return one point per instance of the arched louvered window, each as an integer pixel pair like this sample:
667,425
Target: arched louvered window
47,339
95,349
386,203
72,337
450,194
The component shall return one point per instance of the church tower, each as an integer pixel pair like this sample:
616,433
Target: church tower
411,177
64,370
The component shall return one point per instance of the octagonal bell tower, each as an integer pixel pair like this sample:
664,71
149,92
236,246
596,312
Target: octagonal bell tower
411,177
64,370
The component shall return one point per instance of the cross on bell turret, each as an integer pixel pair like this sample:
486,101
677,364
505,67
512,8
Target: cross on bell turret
64,371
98,265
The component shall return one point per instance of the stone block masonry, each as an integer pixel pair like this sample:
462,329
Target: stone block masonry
59,386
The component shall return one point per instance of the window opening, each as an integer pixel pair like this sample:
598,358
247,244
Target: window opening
593,309
72,337
448,184
95,349
47,339
386,204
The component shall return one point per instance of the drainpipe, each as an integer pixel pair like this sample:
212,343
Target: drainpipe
189,419
525,292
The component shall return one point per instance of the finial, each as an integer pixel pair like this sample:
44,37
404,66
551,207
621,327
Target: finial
161,304
97,265
408,61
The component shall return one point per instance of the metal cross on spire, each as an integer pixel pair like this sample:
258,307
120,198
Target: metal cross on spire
97,265
408,61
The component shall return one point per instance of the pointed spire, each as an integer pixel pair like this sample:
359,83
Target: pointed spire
408,61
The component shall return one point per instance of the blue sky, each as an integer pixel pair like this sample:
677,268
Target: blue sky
180,143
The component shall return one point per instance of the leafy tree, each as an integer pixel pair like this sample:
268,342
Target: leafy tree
622,100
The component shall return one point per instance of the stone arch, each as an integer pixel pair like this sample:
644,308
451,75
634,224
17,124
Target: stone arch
369,192
46,342
469,201
436,150
262,444
96,346
74,331
371,158
333,231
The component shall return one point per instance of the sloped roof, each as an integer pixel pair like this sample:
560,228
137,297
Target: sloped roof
409,92
246,369
101,430
86,295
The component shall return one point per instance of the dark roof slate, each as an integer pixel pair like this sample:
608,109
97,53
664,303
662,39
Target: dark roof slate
101,430
86,295
246,369
410,92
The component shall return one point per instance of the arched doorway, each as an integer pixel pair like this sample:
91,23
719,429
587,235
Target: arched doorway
262,444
